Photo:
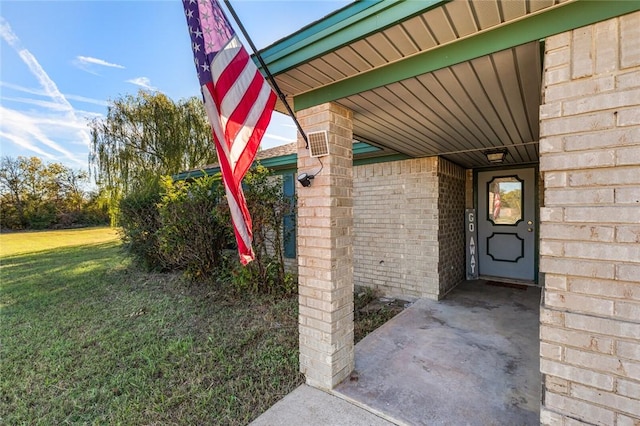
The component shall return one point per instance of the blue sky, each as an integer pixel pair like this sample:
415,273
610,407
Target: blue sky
62,61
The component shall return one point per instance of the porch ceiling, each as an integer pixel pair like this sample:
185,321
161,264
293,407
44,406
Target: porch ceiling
459,111
451,78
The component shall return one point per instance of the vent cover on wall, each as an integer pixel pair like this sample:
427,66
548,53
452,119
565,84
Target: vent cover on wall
318,143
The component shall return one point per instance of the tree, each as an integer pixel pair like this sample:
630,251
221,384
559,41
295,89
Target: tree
145,136
12,192
38,195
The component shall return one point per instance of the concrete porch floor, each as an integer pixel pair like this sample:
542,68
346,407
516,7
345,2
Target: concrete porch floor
470,359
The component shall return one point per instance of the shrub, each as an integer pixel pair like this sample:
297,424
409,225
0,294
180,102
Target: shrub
41,216
180,225
139,219
263,276
193,234
267,205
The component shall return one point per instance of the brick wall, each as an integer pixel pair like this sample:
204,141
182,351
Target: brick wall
590,225
395,209
397,232
451,242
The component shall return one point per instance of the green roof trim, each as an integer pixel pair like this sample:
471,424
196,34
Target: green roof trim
283,163
565,17
283,160
353,22
194,174
360,148
385,159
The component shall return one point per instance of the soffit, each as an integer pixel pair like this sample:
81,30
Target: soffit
454,80
439,26
459,111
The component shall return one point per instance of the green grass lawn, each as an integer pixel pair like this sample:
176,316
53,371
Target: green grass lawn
33,241
89,339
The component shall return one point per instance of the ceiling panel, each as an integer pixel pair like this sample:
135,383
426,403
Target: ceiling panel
536,5
402,41
440,26
467,103
417,28
513,9
368,53
458,111
344,61
461,15
487,13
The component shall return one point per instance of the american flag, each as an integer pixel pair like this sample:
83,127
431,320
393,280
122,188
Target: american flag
238,101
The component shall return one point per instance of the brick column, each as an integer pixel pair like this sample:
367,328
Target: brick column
590,225
325,250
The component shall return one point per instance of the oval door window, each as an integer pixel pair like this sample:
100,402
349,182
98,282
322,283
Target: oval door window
504,200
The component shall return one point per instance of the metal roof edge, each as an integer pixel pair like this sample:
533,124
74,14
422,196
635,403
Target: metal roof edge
353,22
278,162
563,17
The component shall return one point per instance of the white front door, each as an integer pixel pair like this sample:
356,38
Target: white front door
507,224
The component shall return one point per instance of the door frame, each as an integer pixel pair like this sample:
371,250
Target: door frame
537,185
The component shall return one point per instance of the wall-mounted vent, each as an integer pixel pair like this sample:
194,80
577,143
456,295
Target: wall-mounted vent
318,143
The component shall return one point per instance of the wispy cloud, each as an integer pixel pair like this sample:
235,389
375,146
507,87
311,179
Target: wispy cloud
28,130
88,100
40,92
143,82
24,143
89,64
278,137
31,134
85,60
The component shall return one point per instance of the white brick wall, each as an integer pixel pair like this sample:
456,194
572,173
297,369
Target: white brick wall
590,225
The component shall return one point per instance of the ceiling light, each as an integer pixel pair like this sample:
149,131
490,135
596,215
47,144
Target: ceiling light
496,156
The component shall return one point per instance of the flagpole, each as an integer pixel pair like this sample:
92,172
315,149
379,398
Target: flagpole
269,75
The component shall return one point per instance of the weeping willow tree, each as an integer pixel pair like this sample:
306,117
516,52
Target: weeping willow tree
146,136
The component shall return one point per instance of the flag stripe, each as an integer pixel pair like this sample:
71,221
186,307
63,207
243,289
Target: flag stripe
244,117
242,225
224,58
240,115
238,102
256,120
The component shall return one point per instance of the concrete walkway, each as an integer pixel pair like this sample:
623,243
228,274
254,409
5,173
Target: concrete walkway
471,359
312,407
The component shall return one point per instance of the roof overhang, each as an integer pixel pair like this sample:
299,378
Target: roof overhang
433,77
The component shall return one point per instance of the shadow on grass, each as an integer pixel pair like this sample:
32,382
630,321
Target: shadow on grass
56,275
89,339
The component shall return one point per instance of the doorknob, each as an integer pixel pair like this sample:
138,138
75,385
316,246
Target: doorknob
529,222
530,229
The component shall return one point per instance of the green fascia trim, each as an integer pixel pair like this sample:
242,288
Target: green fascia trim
359,148
364,148
351,23
564,17
194,174
284,160
385,159
310,31
282,172
291,160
